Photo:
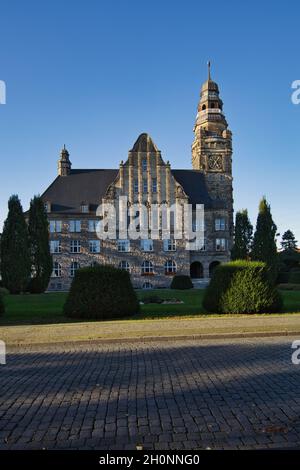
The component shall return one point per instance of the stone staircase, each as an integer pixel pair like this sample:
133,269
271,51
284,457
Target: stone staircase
200,283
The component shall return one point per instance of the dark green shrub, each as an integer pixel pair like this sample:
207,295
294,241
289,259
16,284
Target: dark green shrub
153,299
101,292
294,277
4,291
283,277
2,307
241,287
181,282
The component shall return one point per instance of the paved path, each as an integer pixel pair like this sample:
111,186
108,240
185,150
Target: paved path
178,395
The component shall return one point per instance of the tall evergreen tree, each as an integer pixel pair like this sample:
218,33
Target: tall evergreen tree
41,259
242,236
15,256
264,242
288,241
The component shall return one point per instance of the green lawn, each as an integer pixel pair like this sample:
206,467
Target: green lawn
47,308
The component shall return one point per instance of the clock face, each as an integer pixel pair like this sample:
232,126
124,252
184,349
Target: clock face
215,162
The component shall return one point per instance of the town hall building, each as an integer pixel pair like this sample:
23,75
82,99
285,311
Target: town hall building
147,178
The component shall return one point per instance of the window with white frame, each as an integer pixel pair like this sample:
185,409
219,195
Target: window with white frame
124,265
94,246
170,267
147,245
123,245
75,226
220,244
145,186
55,226
220,224
147,267
56,270
169,245
55,246
75,246
93,225
73,268
144,164
154,185
136,186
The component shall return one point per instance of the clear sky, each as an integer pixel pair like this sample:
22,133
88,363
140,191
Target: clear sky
94,74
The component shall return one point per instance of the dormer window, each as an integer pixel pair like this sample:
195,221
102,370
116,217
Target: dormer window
85,208
47,206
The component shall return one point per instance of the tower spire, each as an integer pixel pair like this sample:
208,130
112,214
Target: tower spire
208,69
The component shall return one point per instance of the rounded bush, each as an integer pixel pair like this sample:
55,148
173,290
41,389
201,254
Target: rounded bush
4,291
101,292
294,277
2,307
242,287
181,282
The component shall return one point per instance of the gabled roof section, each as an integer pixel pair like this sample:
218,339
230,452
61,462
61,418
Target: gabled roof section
144,143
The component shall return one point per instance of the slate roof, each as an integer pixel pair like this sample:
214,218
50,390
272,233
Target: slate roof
67,193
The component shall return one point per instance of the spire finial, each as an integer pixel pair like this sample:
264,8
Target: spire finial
208,67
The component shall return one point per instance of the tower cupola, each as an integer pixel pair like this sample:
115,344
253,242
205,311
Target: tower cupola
64,164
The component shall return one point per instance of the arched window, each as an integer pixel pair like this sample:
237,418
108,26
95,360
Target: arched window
124,265
203,107
56,270
147,285
147,267
170,267
73,268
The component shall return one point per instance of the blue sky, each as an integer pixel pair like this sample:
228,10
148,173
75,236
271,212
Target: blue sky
95,74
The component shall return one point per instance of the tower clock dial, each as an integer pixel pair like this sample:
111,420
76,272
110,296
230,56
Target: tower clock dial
215,162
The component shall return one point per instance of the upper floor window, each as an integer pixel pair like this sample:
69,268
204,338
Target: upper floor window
75,246
136,186
73,268
55,246
144,164
124,265
94,246
147,245
56,270
220,223
220,244
55,226
93,224
169,245
154,185
123,245
75,226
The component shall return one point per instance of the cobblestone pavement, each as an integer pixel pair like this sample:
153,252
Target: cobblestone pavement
175,395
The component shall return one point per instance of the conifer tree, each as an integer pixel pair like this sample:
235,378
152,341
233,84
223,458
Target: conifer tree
242,236
264,242
41,259
288,241
15,256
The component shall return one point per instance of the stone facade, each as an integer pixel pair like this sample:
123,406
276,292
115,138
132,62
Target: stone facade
145,179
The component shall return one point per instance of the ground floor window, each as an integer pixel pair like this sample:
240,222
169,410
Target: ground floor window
220,244
56,270
73,268
147,267
124,265
147,285
196,270
170,267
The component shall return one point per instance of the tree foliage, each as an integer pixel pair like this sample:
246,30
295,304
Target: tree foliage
41,259
288,241
264,241
15,255
242,236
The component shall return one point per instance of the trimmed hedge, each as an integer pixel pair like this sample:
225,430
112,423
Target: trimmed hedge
101,292
2,307
294,277
181,282
241,287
